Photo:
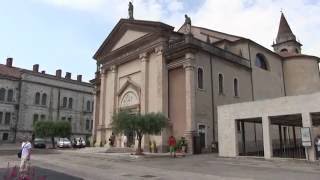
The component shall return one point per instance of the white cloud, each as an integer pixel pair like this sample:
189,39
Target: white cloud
254,19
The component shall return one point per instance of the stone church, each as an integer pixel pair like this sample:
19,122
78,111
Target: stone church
147,66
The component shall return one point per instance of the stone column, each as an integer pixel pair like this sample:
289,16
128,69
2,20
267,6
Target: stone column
101,120
267,139
189,67
310,151
144,83
94,116
144,94
111,98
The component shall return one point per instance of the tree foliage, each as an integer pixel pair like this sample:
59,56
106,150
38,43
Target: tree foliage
150,123
51,129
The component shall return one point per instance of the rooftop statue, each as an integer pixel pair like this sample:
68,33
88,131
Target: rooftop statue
187,20
130,11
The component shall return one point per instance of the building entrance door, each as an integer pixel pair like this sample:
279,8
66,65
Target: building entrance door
130,138
202,134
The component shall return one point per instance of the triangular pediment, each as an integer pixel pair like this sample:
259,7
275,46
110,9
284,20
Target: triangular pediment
129,36
127,32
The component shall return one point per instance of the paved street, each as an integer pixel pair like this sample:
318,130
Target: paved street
103,166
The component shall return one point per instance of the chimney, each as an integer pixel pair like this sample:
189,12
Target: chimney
79,78
9,62
58,73
43,72
36,68
68,75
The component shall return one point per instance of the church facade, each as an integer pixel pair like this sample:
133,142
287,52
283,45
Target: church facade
147,66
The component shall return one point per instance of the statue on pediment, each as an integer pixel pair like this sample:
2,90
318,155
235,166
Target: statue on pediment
187,24
130,10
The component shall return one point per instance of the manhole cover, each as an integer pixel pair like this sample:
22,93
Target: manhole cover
148,176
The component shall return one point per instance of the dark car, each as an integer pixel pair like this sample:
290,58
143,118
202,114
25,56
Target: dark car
39,143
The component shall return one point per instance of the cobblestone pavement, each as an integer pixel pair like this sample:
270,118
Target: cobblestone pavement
104,166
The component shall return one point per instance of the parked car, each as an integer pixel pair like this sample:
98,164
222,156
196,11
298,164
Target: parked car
78,143
63,142
39,143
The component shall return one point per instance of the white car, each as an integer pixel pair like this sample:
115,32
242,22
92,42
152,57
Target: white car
64,142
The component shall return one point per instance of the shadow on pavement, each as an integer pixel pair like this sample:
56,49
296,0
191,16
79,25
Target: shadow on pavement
41,172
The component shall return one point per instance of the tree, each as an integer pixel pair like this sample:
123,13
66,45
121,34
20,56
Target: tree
150,123
51,129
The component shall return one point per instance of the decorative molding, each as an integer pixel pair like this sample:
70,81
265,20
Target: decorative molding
113,68
144,57
158,50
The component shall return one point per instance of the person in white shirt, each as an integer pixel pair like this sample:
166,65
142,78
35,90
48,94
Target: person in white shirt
25,155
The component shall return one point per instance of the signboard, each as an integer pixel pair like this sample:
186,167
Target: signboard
306,137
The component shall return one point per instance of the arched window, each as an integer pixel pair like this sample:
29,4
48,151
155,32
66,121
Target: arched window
236,87
220,84
43,117
10,95
200,78
88,106
284,50
64,102
70,103
2,94
37,98
44,99
297,51
261,62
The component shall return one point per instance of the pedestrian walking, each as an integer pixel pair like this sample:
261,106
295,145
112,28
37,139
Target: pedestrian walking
25,156
172,145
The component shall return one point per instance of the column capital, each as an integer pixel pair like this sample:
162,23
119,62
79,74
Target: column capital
113,68
158,50
188,65
103,72
144,56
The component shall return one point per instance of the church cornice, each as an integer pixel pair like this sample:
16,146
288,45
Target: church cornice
177,49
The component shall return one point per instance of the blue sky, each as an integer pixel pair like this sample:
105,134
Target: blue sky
64,34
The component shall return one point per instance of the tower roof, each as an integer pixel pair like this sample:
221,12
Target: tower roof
284,32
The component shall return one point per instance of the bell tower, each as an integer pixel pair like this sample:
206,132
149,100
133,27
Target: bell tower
286,43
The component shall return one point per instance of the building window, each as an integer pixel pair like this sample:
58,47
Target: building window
43,117
91,125
63,118
65,101
7,118
70,121
70,103
200,78
1,116
35,118
88,106
5,136
284,50
235,87
10,95
220,84
261,61
44,99
37,98
87,124
2,94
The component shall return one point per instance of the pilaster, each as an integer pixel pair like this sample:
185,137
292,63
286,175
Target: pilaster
144,58
189,67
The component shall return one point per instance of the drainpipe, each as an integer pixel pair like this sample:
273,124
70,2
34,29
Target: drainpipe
212,97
